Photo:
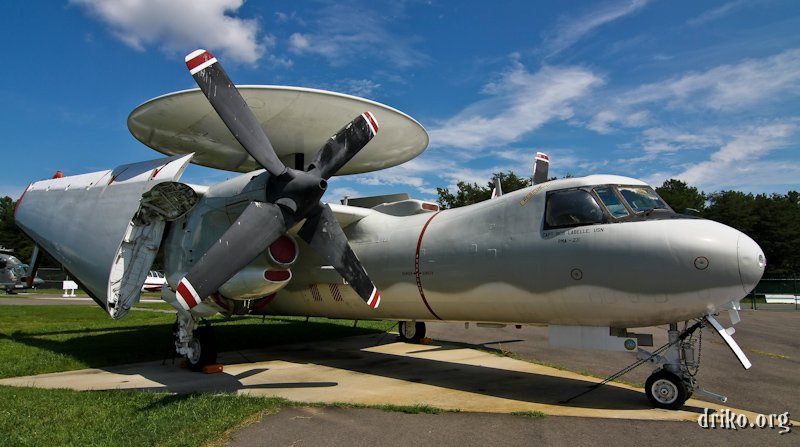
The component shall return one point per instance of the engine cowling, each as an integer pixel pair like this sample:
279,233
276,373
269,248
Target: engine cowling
253,283
257,282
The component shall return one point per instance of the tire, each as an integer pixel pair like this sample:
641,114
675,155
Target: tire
411,332
204,343
666,390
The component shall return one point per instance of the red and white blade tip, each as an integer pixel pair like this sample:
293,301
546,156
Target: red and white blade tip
371,121
186,295
199,60
374,299
542,156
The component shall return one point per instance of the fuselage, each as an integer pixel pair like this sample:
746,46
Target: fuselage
512,259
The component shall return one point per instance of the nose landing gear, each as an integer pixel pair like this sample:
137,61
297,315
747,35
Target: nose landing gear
673,383
666,390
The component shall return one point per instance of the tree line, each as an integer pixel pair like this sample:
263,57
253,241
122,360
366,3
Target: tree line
772,220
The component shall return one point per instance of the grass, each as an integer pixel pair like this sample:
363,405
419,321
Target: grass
407,409
44,339
124,418
533,414
131,418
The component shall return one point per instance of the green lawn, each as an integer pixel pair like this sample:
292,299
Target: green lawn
35,417
42,339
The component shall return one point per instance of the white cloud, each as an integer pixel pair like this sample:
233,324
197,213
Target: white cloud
571,30
385,178
181,25
365,88
669,139
716,13
728,86
601,123
519,103
722,89
345,32
735,160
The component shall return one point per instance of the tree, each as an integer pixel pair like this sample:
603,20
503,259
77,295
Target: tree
772,221
777,230
733,208
12,237
680,196
469,193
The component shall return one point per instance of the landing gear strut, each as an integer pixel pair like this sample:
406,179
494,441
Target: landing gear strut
411,331
197,344
673,382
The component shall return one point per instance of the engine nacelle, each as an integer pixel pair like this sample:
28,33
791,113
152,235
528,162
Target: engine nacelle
254,282
283,252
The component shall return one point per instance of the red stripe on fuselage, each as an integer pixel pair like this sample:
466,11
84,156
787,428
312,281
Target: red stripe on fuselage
416,268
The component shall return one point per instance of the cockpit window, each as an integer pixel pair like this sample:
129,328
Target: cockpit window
642,198
571,208
611,201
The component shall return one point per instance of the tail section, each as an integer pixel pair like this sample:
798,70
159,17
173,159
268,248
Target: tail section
541,166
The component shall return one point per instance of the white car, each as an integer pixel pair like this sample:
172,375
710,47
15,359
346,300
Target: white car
155,280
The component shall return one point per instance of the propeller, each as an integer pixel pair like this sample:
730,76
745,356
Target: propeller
291,195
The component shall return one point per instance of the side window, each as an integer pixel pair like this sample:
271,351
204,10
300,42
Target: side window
571,208
611,201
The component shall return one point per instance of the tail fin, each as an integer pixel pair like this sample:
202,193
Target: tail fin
540,167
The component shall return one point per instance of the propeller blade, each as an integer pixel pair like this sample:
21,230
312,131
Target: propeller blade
233,110
345,144
256,228
323,233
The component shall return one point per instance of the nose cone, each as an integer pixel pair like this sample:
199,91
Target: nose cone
751,262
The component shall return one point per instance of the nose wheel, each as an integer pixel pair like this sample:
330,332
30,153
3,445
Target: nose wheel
666,390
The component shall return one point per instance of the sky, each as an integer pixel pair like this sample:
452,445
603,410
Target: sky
707,92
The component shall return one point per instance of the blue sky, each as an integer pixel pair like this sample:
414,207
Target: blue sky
704,91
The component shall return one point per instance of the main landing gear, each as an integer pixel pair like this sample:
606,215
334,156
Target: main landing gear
196,343
411,331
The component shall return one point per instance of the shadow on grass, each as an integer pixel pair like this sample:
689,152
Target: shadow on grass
98,347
